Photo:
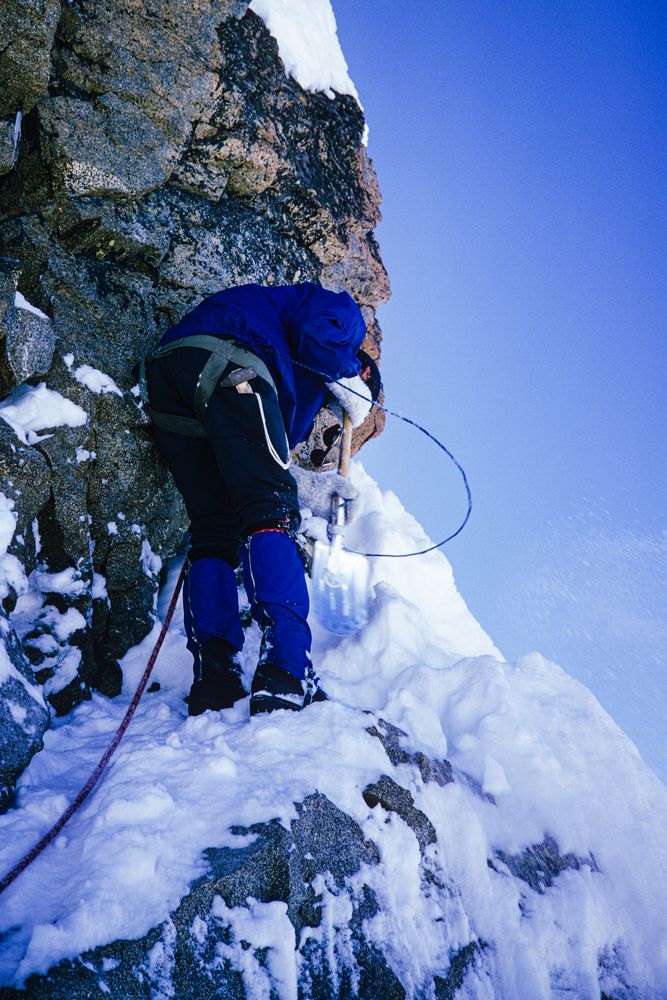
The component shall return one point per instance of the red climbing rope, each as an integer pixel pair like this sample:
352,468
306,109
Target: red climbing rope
108,753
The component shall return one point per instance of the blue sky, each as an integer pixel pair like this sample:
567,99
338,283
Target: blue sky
521,152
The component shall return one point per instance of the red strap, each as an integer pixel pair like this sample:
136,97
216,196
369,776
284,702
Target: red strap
108,753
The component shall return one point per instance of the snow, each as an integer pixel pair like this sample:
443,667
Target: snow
66,581
12,575
29,409
308,43
533,752
63,624
7,522
150,561
95,380
262,925
64,673
7,670
20,302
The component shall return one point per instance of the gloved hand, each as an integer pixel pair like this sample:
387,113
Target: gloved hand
357,408
317,488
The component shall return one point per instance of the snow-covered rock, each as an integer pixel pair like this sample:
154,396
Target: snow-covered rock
449,825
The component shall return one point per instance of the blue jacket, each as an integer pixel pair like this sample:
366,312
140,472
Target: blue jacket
285,324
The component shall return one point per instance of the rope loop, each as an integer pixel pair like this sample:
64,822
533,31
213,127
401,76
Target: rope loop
431,437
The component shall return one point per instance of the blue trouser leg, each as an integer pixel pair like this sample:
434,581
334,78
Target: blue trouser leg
276,586
210,605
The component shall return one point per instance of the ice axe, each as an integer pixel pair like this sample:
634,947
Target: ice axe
340,578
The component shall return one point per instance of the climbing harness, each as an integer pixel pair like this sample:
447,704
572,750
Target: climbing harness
50,836
222,353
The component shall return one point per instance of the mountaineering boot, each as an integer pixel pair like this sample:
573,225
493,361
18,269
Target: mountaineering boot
274,688
217,682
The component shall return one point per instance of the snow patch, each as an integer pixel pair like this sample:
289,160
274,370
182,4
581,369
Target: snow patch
65,672
29,409
18,121
7,670
151,563
12,576
67,581
308,43
20,302
95,380
63,624
18,713
262,926
7,522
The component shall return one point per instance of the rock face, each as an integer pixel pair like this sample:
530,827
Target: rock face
146,161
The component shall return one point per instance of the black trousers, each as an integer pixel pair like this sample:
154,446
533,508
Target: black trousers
235,484
234,481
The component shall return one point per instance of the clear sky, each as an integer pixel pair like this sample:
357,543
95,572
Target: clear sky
521,152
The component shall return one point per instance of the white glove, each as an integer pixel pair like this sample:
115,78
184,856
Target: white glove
317,488
356,408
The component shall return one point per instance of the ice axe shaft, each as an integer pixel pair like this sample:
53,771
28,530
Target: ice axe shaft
340,578
345,447
337,519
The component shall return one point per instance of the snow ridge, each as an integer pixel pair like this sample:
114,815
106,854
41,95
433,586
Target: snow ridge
538,766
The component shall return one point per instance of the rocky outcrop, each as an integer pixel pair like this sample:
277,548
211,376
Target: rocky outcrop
146,160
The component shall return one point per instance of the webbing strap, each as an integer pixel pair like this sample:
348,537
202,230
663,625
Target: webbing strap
176,423
226,348
207,381
223,352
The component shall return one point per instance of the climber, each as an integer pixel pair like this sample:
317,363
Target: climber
228,403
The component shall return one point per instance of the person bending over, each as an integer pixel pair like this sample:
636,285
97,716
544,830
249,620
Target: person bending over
229,401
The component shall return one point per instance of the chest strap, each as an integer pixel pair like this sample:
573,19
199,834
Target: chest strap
223,352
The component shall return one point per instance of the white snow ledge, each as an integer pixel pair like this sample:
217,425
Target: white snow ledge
20,302
308,43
